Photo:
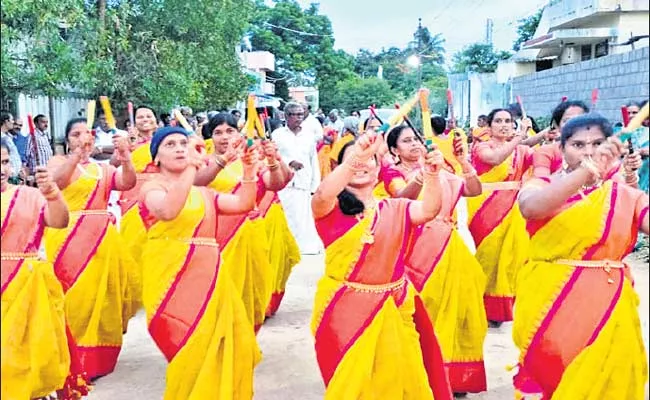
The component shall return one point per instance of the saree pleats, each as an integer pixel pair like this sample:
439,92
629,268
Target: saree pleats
453,297
102,286
284,253
577,327
367,343
35,356
34,347
499,231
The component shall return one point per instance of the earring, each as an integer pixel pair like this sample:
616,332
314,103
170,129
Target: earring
565,166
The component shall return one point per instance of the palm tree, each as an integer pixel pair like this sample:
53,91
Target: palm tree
430,46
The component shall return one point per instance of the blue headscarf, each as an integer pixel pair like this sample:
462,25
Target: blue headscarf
161,134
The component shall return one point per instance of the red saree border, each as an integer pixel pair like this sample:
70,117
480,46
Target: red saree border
335,336
576,316
188,297
78,249
642,215
608,223
437,372
499,308
97,361
467,376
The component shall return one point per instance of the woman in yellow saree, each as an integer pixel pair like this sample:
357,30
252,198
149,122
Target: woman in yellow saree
35,352
373,337
194,312
494,219
243,237
131,225
576,322
441,267
101,284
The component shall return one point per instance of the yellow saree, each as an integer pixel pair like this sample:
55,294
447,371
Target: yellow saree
373,338
498,229
35,355
101,284
576,321
195,314
131,226
246,248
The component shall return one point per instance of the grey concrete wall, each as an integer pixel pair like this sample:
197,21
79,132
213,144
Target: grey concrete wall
619,79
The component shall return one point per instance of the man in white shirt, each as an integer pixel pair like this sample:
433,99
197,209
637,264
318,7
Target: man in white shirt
298,150
336,122
311,125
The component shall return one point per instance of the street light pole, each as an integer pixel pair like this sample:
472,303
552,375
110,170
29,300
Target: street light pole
419,33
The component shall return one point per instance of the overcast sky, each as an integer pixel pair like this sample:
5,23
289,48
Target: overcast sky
373,24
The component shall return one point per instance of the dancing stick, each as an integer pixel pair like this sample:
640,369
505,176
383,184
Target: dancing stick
594,99
181,120
427,129
626,116
32,133
106,106
521,105
129,107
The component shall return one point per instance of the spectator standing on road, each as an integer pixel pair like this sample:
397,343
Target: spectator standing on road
297,148
39,154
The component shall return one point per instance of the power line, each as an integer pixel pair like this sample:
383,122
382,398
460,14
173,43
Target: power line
295,31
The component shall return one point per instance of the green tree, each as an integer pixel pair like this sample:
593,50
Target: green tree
526,29
127,50
35,54
303,45
431,47
358,93
478,57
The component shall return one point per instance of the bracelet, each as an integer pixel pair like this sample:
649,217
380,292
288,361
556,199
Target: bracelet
220,162
52,195
588,164
251,180
273,166
431,175
469,174
635,179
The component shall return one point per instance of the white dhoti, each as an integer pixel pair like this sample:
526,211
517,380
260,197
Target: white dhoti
297,207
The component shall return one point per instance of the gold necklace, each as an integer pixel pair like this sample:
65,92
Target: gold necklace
85,172
368,235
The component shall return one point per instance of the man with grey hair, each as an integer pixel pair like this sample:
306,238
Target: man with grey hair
335,122
298,150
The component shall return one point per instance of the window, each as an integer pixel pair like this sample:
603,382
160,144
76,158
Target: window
585,52
601,49
542,65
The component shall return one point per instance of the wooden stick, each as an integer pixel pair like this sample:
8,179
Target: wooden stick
106,105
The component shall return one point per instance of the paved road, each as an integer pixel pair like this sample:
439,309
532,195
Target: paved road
288,370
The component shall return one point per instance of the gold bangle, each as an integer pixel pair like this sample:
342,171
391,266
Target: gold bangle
220,162
251,180
52,195
470,173
273,166
431,175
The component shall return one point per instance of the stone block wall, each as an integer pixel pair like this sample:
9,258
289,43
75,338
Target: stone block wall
619,79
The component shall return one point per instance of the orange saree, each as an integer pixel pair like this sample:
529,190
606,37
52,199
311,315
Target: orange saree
373,337
576,321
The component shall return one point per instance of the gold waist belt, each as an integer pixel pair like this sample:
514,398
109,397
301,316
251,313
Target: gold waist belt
199,241
8,256
89,212
511,185
605,264
383,288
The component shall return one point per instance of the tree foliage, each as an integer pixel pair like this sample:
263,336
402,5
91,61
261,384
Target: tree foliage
358,93
301,58
478,57
163,53
526,29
